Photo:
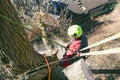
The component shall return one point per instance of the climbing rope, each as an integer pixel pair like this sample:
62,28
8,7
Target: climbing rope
109,51
116,36
49,69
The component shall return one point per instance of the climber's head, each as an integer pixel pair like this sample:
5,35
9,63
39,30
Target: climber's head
75,31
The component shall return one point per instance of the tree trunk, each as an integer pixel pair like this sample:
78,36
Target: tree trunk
76,71
15,44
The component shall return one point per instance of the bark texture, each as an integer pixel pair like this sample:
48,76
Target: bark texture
15,44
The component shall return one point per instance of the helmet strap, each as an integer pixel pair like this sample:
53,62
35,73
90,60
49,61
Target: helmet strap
74,35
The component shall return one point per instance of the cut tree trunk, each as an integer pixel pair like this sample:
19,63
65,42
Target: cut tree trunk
76,71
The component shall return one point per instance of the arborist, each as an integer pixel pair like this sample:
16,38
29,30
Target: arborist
79,41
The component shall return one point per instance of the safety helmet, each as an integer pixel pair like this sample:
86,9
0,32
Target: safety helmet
75,31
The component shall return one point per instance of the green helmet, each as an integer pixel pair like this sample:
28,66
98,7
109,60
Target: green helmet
75,31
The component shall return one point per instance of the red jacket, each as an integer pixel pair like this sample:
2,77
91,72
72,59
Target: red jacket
74,47
70,53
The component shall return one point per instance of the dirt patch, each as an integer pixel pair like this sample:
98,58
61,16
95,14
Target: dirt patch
106,67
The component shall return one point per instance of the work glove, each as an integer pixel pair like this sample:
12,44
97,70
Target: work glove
77,54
